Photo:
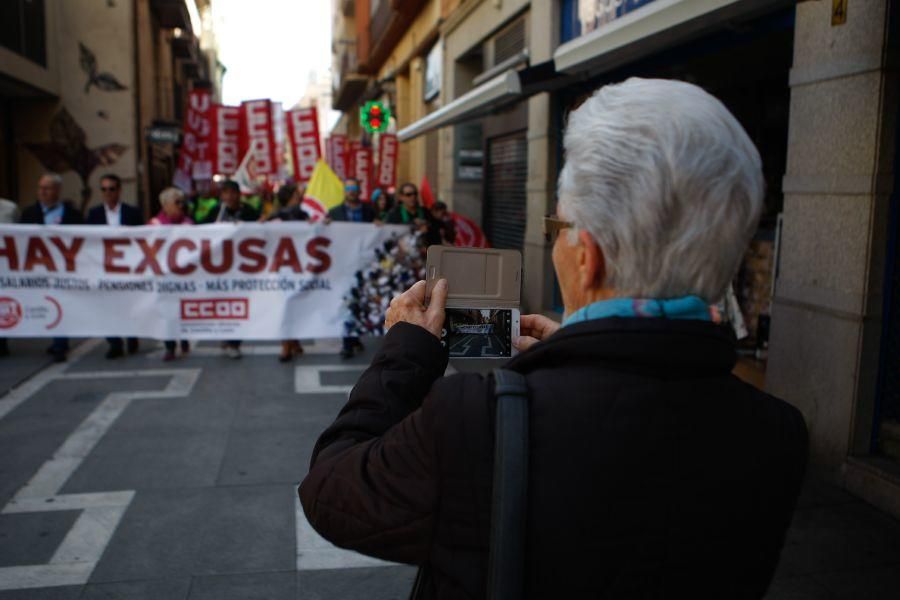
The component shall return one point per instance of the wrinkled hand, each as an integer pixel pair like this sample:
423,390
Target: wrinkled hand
409,307
533,329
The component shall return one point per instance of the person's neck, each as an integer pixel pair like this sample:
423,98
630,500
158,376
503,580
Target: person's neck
411,209
353,205
590,297
112,205
49,205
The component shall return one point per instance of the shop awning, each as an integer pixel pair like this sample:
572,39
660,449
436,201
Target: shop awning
488,96
649,29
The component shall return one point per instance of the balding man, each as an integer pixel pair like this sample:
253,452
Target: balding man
50,210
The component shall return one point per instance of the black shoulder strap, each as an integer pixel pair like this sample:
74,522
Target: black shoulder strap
506,562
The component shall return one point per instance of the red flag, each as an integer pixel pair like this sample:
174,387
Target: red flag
195,158
329,152
226,139
352,147
258,135
468,233
425,193
303,137
387,161
339,156
362,164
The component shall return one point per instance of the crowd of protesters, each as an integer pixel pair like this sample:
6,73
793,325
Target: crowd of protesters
223,202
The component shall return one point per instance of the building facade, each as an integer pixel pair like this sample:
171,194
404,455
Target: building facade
88,88
814,83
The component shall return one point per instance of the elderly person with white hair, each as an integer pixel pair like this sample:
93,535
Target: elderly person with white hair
653,472
51,209
171,201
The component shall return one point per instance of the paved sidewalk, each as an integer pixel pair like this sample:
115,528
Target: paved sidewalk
138,479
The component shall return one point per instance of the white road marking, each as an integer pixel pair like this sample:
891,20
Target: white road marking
315,552
308,381
27,389
81,549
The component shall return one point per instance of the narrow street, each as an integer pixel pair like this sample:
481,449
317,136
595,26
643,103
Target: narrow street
140,479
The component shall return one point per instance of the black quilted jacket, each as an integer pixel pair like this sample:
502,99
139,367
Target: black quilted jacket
654,472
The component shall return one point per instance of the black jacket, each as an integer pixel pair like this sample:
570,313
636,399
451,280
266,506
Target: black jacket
129,215
654,472
339,213
395,216
35,215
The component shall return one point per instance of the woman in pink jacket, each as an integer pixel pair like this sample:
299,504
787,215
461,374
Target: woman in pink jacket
172,203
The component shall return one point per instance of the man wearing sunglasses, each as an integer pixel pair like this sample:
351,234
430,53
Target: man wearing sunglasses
115,213
353,210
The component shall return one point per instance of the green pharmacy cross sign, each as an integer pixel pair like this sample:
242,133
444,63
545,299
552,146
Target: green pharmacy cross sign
375,117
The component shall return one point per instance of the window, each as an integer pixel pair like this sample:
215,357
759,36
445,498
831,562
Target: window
22,29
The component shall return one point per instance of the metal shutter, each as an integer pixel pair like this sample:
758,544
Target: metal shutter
505,202
510,41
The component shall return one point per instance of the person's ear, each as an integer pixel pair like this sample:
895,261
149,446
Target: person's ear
592,262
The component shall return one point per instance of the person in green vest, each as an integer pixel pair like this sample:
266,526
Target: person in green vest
408,211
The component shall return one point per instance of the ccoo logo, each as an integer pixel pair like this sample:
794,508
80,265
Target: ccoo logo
196,309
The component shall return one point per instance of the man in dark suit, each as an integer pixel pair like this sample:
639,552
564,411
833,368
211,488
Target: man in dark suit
355,211
49,210
115,213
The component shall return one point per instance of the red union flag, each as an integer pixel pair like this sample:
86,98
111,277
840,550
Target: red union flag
329,152
258,135
226,139
362,165
303,136
387,161
195,158
339,156
468,233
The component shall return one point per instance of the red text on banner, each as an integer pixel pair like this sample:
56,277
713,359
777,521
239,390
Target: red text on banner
303,137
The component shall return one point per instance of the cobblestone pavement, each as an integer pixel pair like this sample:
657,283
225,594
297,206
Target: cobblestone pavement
141,479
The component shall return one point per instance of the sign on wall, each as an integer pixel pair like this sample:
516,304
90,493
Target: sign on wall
433,73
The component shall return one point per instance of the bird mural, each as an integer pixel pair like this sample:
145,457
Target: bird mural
104,81
67,150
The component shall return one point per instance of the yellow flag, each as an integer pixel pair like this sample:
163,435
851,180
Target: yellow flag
324,192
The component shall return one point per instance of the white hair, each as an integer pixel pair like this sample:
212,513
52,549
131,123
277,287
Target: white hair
55,178
668,184
169,195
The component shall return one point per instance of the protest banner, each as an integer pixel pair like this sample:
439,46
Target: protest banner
338,161
226,138
303,137
362,169
258,135
223,281
195,154
387,160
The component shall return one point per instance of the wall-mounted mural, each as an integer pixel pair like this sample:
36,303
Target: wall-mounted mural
67,150
104,81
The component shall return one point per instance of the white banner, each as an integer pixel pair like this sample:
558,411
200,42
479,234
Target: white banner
223,281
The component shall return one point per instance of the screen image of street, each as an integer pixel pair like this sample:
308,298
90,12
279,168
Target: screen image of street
479,333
